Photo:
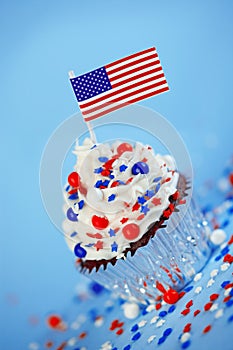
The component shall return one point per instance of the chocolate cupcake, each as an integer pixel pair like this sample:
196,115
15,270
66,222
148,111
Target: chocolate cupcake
120,201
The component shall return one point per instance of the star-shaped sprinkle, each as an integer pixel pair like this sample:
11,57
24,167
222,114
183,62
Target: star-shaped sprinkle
156,201
141,200
114,247
123,167
98,170
111,232
81,204
145,209
111,198
98,245
157,179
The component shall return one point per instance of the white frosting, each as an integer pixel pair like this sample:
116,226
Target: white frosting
96,200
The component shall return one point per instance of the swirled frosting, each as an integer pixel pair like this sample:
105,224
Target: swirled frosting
123,189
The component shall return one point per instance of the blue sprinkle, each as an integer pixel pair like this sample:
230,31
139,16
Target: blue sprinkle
167,332
127,347
149,193
225,283
67,188
111,176
144,209
157,179
157,187
111,198
162,313
186,344
229,303
225,223
73,196
144,312
171,309
123,167
103,159
98,183
161,340
109,308
207,209
230,210
230,197
225,250
141,200
134,328
94,146
79,251
114,247
218,257
98,170
89,245
188,289
105,182
96,288
230,319
111,232
81,204
73,234
114,348
136,336
121,182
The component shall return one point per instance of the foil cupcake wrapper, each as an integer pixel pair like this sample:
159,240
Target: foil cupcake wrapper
172,257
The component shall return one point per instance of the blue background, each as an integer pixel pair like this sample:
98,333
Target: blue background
40,42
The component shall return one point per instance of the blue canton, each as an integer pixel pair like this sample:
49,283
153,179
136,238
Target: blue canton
91,84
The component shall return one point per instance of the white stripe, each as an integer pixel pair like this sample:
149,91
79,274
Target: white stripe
137,80
132,60
119,87
122,94
132,67
111,105
145,70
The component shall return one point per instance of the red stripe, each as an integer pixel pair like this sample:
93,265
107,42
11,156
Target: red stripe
127,103
137,77
114,93
148,65
130,64
129,57
117,99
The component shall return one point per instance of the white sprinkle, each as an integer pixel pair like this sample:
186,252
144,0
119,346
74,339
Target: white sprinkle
210,283
227,291
214,273
131,310
151,338
142,323
218,236
197,277
154,319
185,336
214,307
150,308
99,321
71,341
106,346
33,346
75,325
198,290
224,266
219,313
160,323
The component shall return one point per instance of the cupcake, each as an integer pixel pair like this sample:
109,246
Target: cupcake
120,201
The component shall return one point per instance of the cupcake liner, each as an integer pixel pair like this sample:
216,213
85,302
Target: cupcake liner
171,258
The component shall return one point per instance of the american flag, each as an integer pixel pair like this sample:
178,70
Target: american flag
118,84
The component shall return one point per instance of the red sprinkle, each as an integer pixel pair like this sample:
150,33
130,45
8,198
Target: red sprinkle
189,304
229,285
171,296
230,240
123,220
228,258
82,335
196,312
208,306
207,329
181,294
54,321
105,172
185,312
158,306
225,300
231,178
187,328
120,331
214,296
136,206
